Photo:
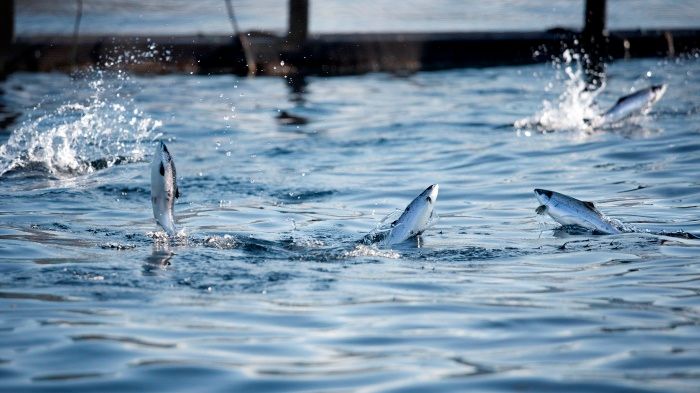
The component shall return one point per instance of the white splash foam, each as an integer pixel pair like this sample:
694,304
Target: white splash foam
80,137
225,242
362,250
573,105
162,237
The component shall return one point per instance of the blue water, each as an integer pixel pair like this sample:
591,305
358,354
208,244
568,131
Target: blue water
268,289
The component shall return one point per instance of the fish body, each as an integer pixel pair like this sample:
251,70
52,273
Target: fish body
571,211
638,102
415,218
164,189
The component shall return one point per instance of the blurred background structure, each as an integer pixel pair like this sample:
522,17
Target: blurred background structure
299,37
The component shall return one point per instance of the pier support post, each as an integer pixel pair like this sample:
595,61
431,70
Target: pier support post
7,23
294,47
298,24
594,42
7,32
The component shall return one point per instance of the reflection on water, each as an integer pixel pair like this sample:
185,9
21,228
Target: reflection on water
269,288
159,259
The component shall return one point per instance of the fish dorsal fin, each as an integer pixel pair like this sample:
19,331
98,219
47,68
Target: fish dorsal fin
621,100
589,205
162,169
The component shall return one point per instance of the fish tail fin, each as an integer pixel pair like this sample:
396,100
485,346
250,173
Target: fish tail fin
166,222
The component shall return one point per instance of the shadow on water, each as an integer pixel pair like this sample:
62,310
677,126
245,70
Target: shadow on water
297,88
158,260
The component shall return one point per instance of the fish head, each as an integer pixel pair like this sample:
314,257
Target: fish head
430,194
657,92
544,196
163,153
422,206
163,163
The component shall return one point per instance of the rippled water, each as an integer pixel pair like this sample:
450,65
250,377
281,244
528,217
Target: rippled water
269,289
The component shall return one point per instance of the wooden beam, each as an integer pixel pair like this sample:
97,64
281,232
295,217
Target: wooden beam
339,54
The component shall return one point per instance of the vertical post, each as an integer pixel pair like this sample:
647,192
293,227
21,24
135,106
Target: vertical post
7,33
7,24
298,24
595,17
594,41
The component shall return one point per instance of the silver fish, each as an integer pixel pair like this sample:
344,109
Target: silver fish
164,189
638,102
415,218
570,211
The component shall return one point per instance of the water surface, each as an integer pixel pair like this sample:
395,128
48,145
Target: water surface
268,289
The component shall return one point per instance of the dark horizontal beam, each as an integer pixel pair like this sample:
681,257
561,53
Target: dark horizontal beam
338,54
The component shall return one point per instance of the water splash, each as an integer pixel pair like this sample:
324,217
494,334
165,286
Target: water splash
573,106
181,237
225,242
363,250
80,137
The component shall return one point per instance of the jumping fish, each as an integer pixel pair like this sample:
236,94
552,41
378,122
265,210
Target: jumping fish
638,102
164,189
415,218
570,211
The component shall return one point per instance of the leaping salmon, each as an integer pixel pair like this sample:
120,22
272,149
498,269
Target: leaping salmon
571,211
164,189
414,220
638,102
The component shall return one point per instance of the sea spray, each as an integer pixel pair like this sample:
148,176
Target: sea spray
573,105
85,134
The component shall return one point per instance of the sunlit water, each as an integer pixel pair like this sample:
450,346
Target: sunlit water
268,289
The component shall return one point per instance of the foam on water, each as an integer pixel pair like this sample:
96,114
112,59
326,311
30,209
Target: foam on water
573,106
362,250
84,135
